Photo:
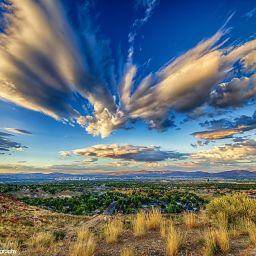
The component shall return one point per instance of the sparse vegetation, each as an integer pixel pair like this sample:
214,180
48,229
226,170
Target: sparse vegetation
139,224
174,241
215,241
249,227
42,239
85,244
210,243
189,220
154,218
35,231
127,252
163,228
113,230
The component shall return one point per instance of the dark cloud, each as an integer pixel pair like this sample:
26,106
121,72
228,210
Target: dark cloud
6,134
6,144
199,143
234,93
226,128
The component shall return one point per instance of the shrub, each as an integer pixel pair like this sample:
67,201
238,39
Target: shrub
154,218
189,220
234,207
59,235
139,224
174,241
113,230
85,244
127,252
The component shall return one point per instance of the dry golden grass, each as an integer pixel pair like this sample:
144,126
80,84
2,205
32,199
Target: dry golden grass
154,218
113,230
222,239
127,252
203,219
42,239
234,232
210,243
189,220
249,228
139,224
9,244
221,220
85,244
163,228
217,240
174,241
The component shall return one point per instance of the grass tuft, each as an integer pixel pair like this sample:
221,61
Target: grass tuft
42,239
113,230
139,224
154,218
127,252
85,244
189,220
174,241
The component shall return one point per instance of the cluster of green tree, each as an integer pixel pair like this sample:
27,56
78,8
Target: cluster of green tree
135,185
171,202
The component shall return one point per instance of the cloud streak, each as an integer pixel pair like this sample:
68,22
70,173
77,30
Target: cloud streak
18,131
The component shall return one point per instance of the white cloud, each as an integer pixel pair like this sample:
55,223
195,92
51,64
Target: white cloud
244,150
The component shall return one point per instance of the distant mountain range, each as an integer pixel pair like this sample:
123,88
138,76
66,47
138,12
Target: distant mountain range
42,177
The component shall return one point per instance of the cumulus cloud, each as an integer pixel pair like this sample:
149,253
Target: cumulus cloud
6,144
240,151
125,152
48,61
18,131
234,93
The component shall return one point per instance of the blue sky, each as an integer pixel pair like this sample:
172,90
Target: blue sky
117,86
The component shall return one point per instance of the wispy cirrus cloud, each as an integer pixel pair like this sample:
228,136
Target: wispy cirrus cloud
47,61
17,131
125,152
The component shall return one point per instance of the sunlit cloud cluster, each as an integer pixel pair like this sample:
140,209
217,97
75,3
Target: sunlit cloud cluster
125,152
46,63
240,151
